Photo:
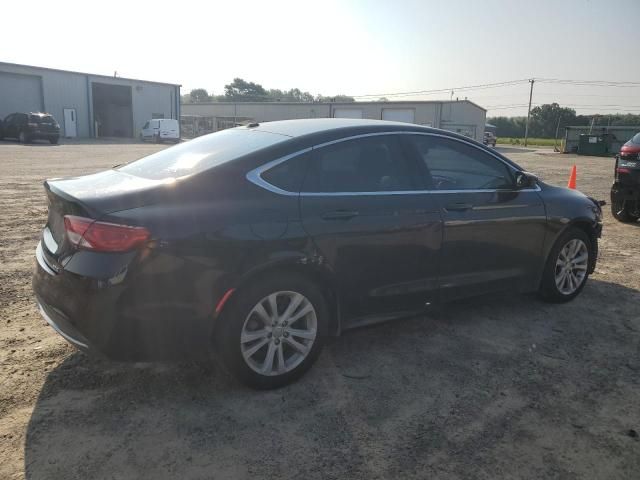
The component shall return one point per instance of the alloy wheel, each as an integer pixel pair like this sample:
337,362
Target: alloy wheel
571,266
278,333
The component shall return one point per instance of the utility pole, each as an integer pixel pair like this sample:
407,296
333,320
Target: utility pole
526,128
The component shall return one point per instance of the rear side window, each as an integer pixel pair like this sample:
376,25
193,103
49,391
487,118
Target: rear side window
455,165
288,175
202,153
43,119
370,164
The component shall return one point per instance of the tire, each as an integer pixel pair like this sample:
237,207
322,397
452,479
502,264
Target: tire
54,140
241,319
556,287
620,213
158,139
23,138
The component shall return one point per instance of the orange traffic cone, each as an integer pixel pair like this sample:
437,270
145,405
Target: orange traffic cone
572,178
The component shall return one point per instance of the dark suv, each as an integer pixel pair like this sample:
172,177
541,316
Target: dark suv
26,127
625,191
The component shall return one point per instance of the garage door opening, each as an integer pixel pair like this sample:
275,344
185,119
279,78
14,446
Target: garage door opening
112,111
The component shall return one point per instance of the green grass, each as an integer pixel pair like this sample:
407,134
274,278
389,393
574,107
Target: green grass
534,142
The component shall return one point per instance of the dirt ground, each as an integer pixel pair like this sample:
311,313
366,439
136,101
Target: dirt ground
490,388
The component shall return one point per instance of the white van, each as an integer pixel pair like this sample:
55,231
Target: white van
161,130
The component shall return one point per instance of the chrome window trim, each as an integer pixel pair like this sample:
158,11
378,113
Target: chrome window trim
255,175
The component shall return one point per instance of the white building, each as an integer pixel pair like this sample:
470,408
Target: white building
461,116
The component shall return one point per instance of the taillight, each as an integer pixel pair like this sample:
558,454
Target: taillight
623,170
90,234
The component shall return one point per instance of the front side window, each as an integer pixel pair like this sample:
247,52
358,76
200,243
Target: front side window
369,164
455,165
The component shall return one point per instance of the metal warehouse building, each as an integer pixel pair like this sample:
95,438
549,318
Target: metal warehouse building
86,105
462,116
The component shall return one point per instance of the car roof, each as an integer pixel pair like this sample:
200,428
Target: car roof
308,126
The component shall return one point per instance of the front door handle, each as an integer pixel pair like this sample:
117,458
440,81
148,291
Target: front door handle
340,215
458,207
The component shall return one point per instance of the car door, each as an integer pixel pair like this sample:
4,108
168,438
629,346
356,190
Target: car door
493,232
364,206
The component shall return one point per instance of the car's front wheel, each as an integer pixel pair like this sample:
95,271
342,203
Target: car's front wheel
567,267
273,330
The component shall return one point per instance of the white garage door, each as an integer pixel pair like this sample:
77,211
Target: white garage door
347,113
407,115
19,93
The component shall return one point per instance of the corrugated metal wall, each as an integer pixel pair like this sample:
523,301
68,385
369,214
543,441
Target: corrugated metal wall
462,116
25,89
19,93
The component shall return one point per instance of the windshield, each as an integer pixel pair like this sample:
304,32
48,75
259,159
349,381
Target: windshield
202,153
636,138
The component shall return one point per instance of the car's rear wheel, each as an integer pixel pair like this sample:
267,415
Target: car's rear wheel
567,267
621,212
53,140
273,330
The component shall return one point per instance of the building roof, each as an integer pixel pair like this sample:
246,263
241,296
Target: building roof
389,102
84,73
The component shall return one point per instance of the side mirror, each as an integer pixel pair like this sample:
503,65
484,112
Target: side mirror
525,180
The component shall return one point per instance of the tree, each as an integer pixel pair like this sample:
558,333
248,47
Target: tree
242,91
293,95
199,95
335,98
545,118
508,126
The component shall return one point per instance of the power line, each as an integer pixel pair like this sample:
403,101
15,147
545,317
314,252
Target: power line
603,83
443,90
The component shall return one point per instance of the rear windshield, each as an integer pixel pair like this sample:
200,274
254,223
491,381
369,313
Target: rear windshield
636,138
45,119
202,153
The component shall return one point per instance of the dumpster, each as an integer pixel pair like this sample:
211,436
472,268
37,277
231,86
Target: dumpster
594,144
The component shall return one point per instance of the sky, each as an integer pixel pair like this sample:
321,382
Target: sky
348,47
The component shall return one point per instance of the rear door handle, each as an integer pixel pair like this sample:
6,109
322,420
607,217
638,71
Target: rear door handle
340,215
458,207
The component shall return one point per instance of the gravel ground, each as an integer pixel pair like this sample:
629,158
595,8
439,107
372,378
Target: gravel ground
502,387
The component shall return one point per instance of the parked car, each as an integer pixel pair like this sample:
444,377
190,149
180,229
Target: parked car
625,191
161,130
27,127
258,242
489,139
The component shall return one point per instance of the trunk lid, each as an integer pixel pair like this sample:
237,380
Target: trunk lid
92,196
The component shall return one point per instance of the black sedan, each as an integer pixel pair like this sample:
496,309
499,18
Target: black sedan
258,242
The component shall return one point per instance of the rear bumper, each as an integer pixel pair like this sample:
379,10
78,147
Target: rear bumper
129,321
60,323
44,135
622,192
